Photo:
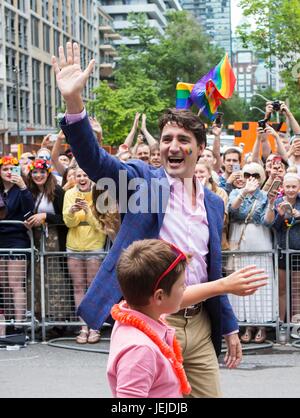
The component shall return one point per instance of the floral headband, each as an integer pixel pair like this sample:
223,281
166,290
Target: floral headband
40,164
9,160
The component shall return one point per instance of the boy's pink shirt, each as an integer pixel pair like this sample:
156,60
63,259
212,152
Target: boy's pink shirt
136,367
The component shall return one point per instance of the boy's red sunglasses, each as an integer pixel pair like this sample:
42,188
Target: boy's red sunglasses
181,256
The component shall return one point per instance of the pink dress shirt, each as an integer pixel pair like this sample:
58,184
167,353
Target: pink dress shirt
187,228
136,367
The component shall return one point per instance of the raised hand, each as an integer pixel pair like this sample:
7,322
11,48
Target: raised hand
71,80
246,281
216,130
251,185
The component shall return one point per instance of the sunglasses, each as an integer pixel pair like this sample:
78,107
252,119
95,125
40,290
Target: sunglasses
180,256
254,175
44,157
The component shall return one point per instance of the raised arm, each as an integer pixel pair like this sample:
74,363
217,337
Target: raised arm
216,131
149,138
71,81
55,154
280,147
292,121
256,146
130,137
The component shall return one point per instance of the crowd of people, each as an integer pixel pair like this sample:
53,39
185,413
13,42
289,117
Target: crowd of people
259,191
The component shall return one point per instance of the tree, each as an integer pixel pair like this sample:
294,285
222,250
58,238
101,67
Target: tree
147,74
169,58
276,35
116,108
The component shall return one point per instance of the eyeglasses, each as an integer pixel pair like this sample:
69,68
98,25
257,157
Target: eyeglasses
181,256
254,175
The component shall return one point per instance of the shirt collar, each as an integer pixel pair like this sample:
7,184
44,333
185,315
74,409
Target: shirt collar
160,328
175,181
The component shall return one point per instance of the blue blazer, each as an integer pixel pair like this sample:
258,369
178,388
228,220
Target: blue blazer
104,292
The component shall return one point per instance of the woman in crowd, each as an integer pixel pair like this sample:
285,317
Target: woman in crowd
18,202
85,236
48,198
106,212
247,232
284,216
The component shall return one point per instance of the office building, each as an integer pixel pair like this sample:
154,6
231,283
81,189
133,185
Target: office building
215,18
154,10
30,33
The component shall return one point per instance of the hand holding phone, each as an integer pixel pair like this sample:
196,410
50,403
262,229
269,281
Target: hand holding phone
28,215
287,208
219,119
274,186
16,170
236,168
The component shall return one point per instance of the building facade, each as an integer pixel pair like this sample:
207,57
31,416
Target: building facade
215,17
252,74
30,33
154,10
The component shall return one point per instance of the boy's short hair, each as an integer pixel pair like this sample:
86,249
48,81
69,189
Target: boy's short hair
141,264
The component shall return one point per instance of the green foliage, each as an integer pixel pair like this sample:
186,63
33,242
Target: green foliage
276,34
116,108
147,74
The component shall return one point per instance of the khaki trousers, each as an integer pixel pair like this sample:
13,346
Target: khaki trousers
199,357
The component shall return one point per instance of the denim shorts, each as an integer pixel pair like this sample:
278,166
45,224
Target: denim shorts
85,255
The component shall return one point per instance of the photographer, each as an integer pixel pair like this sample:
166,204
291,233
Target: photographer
282,216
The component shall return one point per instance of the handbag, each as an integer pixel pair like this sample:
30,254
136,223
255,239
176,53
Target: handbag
247,221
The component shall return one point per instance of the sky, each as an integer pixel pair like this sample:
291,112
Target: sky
236,13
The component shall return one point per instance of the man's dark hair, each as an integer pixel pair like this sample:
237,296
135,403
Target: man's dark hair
187,120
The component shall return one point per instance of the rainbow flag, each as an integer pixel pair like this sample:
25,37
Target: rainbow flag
207,93
183,92
217,84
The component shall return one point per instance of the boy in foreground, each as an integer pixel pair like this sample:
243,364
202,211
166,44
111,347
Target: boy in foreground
145,359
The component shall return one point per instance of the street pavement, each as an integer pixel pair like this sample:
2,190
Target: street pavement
43,371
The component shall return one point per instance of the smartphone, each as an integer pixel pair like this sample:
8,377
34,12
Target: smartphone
262,123
219,119
287,207
235,168
79,200
274,186
28,215
16,170
53,138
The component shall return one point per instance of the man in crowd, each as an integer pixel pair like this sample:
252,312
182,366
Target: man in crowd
232,166
194,224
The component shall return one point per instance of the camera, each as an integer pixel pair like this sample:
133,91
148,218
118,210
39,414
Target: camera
276,105
262,123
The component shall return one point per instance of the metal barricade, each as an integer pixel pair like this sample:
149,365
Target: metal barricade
261,308
60,287
17,284
292,276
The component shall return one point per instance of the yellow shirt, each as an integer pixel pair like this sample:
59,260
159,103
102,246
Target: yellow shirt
85,232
